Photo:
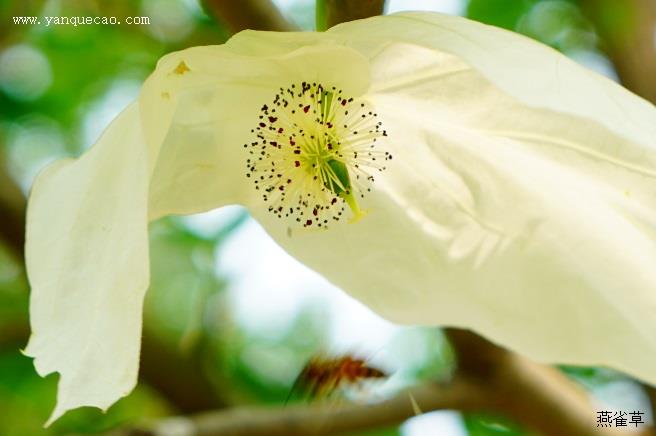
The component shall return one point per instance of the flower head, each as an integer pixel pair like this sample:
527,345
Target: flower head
520,201
313,153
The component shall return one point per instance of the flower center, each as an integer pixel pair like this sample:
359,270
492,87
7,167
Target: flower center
313,154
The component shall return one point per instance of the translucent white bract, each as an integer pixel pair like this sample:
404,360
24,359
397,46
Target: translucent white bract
520,201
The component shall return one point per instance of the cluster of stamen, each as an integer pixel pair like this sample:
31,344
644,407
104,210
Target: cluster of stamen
313,154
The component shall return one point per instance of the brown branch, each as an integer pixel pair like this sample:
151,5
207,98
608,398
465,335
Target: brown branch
651,394
327,419
341,11
462,394
488,379
179,378
627,31
12,214
248,14
14,335
537,396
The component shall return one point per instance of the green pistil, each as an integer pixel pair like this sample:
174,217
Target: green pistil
342,174
343,189
342,186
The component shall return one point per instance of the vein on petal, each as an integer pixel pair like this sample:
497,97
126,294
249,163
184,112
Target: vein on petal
534,137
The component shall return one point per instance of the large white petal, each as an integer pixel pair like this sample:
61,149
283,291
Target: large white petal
535,228
87,262
527,70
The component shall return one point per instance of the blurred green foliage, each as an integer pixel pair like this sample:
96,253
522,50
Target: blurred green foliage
501,13
558,23
70,82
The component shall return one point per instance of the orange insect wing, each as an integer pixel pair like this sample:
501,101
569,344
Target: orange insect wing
320,377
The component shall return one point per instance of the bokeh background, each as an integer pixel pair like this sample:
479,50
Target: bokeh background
230,318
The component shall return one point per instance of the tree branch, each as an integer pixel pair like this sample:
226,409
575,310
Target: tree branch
248,14
180,379
488,379
538,396
341,11
462,394
12,211
327,419
627,30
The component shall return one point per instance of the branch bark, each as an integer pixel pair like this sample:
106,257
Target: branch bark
462,394
180,379
248,14
627,32
319,420
12,211
340,11
539,397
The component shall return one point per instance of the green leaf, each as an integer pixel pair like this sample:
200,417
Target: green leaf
501,13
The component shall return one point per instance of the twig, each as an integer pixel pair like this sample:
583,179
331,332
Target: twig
179,378
320,420
340,11
463,394
627,31
12,213
248,14
537,396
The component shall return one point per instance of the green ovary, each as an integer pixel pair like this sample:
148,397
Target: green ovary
343,189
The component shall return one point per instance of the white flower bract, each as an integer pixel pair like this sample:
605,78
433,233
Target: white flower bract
520,202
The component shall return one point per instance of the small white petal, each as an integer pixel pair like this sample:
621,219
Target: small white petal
202,162
87,261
